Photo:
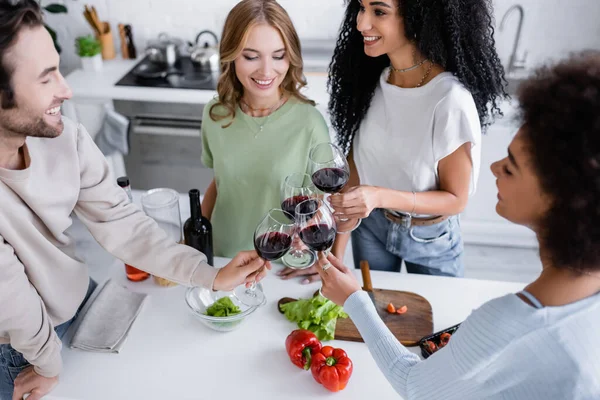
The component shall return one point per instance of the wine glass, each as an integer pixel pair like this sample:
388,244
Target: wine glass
316,225
328,167
295,189
272,239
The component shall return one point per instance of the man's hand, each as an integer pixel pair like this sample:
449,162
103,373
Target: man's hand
28,381
246,267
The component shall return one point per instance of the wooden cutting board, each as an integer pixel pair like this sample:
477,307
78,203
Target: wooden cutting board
408,328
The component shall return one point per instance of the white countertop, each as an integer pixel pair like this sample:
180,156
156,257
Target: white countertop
100,86
171,355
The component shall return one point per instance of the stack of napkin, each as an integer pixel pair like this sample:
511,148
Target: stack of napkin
104,322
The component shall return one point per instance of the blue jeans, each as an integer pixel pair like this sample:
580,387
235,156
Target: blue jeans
429,250
12,362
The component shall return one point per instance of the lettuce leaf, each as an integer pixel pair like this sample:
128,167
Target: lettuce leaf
319,315
223,307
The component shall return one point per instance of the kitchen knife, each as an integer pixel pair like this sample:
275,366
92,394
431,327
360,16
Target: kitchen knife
366,276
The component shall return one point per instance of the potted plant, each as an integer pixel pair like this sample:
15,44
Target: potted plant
89,49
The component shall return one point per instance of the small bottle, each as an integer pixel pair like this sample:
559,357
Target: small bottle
197,230
133,274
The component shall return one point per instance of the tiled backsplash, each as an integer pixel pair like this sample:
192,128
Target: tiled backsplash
551,28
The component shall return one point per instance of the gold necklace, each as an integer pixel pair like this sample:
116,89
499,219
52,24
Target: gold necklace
417,65
389,80
270,111
425,75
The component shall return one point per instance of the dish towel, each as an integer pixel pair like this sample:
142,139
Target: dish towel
112,136
107,317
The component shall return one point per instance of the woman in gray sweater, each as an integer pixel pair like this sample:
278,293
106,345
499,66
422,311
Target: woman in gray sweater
539,343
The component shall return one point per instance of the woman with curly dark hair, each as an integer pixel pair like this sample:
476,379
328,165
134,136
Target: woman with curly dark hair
412,82
540,343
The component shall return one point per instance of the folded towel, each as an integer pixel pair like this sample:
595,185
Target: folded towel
112,136
107,317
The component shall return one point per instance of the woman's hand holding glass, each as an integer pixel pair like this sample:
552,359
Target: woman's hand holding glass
356,203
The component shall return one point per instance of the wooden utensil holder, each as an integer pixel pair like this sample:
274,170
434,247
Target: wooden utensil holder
107,43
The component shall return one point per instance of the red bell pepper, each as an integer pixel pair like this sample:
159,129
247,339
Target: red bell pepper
301,345
332,368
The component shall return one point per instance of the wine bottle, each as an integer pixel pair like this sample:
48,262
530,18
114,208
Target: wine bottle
197,230
133,274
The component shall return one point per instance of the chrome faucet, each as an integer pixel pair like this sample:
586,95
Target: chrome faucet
515,63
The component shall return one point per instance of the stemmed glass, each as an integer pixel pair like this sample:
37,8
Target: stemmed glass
296,189
328,168
316,225
272,239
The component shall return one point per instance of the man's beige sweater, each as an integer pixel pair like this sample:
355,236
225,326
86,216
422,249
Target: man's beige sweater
42,283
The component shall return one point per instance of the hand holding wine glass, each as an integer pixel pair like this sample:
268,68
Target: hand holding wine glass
245,268
356,203
272,239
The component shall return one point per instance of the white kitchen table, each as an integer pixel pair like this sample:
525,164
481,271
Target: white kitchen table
171,355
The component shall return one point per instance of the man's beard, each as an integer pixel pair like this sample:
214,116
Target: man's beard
34,128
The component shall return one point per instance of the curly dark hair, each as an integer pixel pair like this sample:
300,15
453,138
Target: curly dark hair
456,34
560,110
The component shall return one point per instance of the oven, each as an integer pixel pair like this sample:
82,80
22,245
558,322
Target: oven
165,145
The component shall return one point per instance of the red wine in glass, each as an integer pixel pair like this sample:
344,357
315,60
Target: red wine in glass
272,245
329,168
318,237
296,189
317,228
330,180
272,239
307,207
289,204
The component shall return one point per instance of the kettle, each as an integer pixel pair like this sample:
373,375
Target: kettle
206,56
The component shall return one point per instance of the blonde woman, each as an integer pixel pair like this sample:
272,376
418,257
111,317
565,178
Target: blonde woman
260,128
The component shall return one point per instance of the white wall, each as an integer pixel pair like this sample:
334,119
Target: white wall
552,28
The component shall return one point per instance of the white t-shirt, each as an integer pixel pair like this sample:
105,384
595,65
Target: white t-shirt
406,132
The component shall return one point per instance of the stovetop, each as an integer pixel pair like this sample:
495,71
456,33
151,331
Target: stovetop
184,75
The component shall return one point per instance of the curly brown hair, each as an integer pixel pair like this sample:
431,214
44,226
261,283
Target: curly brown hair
560,109
245,15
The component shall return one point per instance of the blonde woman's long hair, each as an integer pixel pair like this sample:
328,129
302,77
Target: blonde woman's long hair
243,17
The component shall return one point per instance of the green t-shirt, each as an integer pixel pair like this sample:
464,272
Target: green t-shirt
250,166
